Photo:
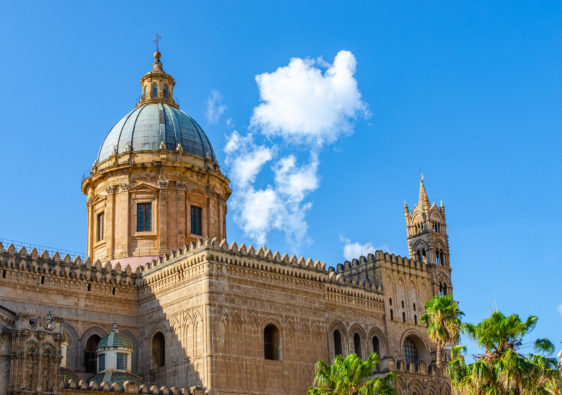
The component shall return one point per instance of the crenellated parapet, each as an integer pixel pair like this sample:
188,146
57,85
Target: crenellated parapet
368,268
65,272
310,273
128,387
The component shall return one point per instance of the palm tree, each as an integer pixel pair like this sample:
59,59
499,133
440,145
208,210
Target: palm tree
443,324
502,368
350,376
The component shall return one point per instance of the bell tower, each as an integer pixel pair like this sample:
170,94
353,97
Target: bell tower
428,242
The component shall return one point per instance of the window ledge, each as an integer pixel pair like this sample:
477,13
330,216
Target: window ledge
144,235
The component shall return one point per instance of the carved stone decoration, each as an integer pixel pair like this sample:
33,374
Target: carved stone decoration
179,148
162,145
163,184
110,189
124,186
181,185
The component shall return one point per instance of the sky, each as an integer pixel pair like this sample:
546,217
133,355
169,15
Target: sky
323,115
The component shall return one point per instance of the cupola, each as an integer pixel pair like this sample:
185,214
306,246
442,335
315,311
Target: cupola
157,85
114,356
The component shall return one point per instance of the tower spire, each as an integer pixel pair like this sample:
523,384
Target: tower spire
423,200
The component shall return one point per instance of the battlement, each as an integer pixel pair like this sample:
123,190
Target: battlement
260,259
386,259
246,256
66,268
129,387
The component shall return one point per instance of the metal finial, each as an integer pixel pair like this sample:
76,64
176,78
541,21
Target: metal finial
114,329
158,38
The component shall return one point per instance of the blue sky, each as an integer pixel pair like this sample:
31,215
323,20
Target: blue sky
469,92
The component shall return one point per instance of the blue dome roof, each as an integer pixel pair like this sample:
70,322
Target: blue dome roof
115,339
148,125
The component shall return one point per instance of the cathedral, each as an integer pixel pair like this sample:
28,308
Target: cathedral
163,304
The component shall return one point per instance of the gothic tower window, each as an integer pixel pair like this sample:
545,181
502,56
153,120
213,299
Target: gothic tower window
100,226
403,317
415,319
376,346
357,344
196,228
410,351
154,90
271,343
391,315
90,357
144,217
158,350
337,343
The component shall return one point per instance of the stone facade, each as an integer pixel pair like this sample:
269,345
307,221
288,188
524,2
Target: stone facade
172,182
203,315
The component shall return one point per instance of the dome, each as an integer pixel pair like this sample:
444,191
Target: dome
148,125
115,339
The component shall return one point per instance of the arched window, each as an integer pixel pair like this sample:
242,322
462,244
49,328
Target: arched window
418,255
90,357
403,317
444,289
146,92
441,256
415,319
357,345
337,343
391,315
410,351
437,260
165,91
271,343
158,350
154,90
376,346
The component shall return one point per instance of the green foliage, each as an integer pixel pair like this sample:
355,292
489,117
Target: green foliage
350,376
442,317
502,368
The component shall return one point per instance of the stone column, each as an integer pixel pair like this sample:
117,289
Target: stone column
90,241
181,214
109,223
163,215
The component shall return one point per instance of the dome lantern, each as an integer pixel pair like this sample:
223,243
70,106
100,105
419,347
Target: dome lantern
157,85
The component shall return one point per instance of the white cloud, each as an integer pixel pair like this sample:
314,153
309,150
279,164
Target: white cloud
303,103
215,108
559,308
355,250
